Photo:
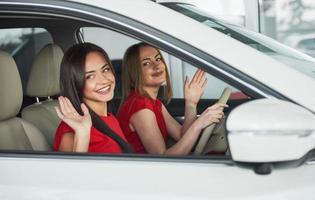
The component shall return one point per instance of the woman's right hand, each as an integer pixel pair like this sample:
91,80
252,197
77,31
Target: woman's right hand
194,88
69,115
212,114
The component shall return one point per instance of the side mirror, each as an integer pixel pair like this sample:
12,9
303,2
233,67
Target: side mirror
270,130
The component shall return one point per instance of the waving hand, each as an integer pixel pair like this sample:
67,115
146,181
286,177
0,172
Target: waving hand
194,89
69,115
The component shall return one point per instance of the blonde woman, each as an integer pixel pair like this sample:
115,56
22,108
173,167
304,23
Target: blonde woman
144,119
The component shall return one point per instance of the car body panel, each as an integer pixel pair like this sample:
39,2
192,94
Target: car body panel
81,179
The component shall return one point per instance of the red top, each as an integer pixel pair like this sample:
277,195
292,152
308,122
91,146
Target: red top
134,103
99,142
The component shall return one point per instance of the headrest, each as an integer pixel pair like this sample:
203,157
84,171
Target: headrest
11,94
44,74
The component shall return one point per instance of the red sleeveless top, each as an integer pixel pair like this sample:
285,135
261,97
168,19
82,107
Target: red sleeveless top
134,103
99,142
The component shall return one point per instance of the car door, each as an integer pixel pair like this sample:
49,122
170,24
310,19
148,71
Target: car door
57,175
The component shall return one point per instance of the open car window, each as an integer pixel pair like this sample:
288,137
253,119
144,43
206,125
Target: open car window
115,44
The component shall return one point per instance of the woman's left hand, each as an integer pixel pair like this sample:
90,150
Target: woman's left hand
194,89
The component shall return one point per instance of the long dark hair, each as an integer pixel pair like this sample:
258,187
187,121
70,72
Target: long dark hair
72,80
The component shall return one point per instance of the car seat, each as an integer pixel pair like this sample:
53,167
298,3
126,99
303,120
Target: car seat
15,133
43,82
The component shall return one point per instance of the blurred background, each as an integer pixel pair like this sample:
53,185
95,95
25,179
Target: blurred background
291,22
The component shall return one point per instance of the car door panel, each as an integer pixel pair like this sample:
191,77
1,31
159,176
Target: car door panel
108,178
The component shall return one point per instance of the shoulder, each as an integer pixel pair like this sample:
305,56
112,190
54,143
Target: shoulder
137,102
144,115
144,102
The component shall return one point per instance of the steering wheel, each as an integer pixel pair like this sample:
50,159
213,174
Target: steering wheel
206,133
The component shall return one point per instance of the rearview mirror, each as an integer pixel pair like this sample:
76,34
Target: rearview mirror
270,130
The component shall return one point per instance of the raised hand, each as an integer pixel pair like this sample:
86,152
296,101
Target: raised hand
194,89
69,115
211,115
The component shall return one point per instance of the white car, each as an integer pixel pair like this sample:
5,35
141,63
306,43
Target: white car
269,129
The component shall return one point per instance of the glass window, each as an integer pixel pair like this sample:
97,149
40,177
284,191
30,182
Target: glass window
214,87
115,44
23,44
291,22
13,40
266,45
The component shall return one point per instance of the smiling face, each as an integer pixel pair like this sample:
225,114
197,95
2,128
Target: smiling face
144,70
153,67
99,80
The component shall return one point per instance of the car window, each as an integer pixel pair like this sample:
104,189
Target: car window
113,42
23,44
214,87
116,44
28,42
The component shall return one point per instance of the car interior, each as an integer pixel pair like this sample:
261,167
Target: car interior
43,83
16,133
29,84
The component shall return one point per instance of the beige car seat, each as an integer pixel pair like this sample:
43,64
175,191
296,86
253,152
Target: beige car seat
15,133
44,82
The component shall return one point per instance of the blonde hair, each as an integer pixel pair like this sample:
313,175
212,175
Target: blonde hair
132,76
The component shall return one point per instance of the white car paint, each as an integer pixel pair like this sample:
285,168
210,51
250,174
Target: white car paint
110,179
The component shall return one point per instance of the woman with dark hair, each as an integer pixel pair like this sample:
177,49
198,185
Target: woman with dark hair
87,83
143,117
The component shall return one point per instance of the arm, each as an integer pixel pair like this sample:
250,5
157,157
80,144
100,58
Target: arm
80,139
71,143
151,136
193,91
190,116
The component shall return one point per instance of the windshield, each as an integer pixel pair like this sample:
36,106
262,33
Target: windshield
264,44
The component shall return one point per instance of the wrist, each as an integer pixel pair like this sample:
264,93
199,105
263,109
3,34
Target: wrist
83,133
197,126
191,104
